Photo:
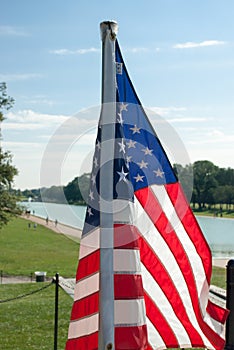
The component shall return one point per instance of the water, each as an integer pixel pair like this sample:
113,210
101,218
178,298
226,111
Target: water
219,232
72,215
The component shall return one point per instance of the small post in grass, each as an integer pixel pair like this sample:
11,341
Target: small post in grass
56,281
230,306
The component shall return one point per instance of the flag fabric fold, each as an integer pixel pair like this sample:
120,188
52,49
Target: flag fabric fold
161,261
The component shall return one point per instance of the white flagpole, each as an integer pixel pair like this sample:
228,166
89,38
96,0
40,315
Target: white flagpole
107,123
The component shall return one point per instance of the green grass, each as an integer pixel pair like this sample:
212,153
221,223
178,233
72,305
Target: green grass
28,323
25,250
214,211
218,277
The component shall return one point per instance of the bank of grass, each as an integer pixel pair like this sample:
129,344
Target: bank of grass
28,323
25,250
218,277
214,211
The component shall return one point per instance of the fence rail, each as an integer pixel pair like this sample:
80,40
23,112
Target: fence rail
229,298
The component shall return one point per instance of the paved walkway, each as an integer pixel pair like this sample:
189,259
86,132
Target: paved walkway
76,233
59,228
220,262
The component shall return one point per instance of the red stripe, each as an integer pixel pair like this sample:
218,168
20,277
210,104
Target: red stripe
188,220
131,338
83,343
128,286
85,307
161,276
88,265
154,210
216,312
125,236
160,323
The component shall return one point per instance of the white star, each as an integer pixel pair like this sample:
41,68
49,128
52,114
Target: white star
89,210
91,195
147,151
159,173
95,162
135,130
93,179
128,159
122,175
131,144
123,107
122,146
142,164
139,178
120,120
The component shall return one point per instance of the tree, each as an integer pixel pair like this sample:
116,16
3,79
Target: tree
77,190
185,177
8,201
54,194
204,173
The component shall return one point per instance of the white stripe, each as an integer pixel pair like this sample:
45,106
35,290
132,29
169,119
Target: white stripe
82,327
123,211
127,260
130,312
194,258
89,243
154,290
154,337
87,286
218,327
161,249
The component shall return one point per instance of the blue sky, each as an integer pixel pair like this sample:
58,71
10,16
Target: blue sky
179,54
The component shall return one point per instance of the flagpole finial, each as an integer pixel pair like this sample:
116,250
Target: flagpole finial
109,26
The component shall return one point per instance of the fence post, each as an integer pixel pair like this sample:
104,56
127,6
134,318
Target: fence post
230,305
56,311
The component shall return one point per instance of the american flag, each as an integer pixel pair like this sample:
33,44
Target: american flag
161,261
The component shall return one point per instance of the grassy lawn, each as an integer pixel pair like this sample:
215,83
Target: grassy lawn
214,211
26,250
28,323
218,277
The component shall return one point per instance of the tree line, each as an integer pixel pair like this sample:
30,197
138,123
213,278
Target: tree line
211,185
204,183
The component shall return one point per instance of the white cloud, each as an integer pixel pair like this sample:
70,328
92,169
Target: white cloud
40,100
18,77
12,31
57,129
66,52
216,134
167,110
22,126
191,44
136,49
214,137
187,120
29,116
21,146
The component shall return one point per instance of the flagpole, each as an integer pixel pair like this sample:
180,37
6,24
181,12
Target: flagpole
107,123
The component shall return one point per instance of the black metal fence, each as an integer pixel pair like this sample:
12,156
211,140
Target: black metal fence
229,304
